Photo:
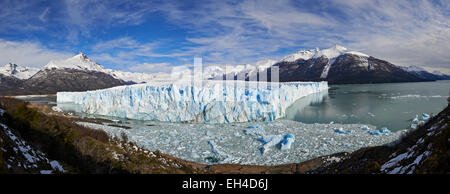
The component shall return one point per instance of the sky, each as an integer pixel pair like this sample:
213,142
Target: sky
153,36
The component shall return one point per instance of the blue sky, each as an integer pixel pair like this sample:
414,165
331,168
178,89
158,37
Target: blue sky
151,36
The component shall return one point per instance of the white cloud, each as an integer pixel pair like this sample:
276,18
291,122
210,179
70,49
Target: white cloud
152,68
31,54
403,32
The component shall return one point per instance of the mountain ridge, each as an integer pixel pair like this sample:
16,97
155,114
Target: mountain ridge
337,65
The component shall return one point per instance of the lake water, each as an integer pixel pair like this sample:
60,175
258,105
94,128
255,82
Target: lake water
390,105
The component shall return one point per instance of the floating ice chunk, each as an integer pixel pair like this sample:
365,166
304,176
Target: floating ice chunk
269,141
416,119
284,142
346,144
194,155
425,116
384,130
341,131
255,130
287,141
364,127
374,132
413,126
214,148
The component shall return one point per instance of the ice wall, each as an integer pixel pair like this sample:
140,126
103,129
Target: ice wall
201,102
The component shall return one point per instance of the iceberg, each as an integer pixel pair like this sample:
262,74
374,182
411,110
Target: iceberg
209,101
384,130
283,142
364,127
255,130
374,132
425,116
341,131
287,142
269,141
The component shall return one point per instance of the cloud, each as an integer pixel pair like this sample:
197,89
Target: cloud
152,67
26,53
403,32
82,17
413,32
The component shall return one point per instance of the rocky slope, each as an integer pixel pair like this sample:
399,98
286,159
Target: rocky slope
50,81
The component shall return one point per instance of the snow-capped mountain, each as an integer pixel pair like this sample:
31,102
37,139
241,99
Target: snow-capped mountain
339,65
77,73
424,74
243,71
329,53
17,71
82,63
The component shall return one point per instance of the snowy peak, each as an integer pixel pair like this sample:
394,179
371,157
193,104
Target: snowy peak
302,54
332,52
79,62
413,68
9,68
436,72
329,53
17,71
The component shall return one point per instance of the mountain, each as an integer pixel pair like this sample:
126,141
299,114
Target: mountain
424,74
10,85
19,72
77,73
338,65
247,71
441,75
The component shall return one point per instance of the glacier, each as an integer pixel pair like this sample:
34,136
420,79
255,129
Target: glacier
207,101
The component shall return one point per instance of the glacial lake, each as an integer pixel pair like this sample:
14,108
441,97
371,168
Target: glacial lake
391,105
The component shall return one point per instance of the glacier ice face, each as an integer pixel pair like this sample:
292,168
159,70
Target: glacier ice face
201,102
